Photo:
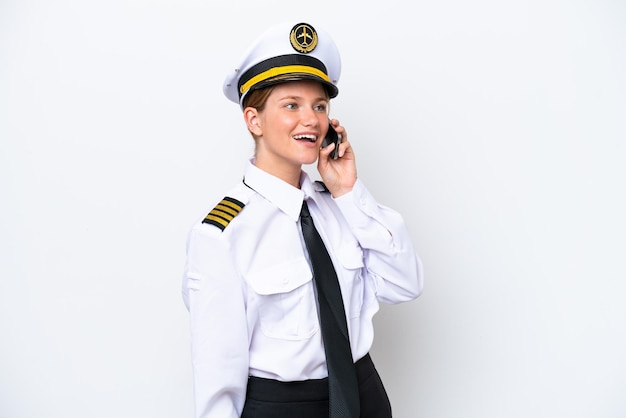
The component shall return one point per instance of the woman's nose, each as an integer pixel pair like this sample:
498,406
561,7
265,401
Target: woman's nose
309,117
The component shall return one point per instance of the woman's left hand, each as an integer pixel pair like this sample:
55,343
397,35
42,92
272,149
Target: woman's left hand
339,175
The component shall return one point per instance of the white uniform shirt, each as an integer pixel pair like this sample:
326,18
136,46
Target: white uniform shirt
250,292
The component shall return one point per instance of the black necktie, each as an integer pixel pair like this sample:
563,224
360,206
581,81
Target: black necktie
342,381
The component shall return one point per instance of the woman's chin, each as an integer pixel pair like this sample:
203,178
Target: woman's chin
311,160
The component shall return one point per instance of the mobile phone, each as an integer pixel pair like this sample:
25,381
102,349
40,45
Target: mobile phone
332,137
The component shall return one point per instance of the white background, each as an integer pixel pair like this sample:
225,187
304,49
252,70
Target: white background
496,128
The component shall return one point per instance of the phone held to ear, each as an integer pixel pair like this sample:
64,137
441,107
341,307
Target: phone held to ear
332,137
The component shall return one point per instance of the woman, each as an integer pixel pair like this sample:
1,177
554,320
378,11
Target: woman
261,345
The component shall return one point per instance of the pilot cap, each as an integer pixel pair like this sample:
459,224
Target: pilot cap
286,52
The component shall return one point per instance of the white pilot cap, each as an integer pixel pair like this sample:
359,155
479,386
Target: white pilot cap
286,52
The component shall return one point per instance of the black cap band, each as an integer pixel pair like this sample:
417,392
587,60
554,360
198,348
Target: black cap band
285,68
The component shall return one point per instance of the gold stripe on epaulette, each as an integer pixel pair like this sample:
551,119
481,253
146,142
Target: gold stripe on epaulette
225,211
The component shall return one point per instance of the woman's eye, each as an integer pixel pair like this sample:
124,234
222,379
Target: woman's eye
321,108
291,106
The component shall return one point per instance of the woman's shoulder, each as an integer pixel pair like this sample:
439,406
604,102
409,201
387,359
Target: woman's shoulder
228,207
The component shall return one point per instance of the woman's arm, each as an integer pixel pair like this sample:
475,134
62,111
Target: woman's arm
215,299
389,255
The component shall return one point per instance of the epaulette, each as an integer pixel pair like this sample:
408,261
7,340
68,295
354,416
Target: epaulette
224,212
321,187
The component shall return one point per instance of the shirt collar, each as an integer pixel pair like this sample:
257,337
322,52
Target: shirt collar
280,193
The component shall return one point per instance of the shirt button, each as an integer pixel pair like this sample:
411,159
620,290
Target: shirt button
363,201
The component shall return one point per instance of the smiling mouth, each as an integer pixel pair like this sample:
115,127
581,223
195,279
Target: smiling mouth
307,138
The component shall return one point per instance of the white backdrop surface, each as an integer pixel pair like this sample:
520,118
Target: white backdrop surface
497,129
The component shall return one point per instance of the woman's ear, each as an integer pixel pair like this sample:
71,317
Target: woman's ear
251,116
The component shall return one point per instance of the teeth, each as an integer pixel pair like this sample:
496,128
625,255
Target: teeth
306,137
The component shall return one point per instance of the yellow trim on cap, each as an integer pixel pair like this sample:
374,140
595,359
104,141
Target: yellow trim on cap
288,69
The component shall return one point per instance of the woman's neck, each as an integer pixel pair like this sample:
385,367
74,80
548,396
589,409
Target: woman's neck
288,173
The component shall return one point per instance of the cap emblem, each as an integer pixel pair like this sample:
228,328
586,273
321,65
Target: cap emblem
303,38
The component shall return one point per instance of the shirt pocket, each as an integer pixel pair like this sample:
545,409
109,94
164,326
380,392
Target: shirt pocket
286,300
351,258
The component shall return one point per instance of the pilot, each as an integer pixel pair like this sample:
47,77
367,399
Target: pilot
284,274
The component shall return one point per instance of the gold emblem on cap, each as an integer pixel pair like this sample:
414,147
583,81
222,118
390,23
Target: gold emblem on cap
303,38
